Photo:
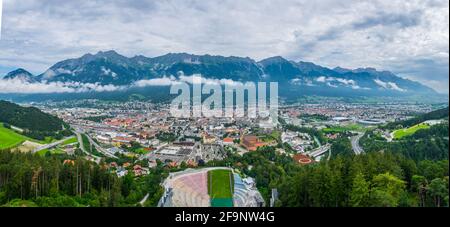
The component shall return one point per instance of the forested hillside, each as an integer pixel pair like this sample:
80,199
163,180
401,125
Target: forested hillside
36,124
32,180
437,114
373,179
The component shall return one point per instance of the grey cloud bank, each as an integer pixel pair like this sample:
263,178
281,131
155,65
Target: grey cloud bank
409,38
18,86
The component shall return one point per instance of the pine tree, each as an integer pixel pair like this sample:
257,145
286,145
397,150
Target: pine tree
359,196
439,190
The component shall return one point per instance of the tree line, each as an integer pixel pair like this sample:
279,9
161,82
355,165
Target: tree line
61,180
35,123
372,179
437,114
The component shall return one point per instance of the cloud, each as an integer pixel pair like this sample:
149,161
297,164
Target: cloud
197,79
18,86
349,83
165,81
387,35
388,85
400,20
321,79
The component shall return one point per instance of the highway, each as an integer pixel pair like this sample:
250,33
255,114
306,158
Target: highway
319,151
80,140
99,148
51,145
355,143
79,131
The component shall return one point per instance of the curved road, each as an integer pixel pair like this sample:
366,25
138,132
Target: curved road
80,141
50,145
355,143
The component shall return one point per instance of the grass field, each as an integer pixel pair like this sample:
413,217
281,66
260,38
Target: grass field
9,138
398,134
220,187
220,184
70,141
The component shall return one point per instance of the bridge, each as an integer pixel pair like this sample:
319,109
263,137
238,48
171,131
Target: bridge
319,151
51,145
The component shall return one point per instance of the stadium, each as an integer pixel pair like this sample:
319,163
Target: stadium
209,187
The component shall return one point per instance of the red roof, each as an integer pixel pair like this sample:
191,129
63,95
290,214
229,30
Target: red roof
228,140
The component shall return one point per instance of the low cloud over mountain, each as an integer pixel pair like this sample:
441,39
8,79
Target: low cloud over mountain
110,71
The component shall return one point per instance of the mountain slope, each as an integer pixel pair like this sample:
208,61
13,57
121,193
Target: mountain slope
297,78
20,74
103,68
28,118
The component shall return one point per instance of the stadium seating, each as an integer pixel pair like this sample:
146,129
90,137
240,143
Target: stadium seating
190,189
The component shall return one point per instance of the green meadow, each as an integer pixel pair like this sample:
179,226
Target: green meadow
398,134
9,138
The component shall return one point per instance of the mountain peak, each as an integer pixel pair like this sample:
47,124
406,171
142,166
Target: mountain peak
273,60
108,53
19,70
367,70
341,70
20,74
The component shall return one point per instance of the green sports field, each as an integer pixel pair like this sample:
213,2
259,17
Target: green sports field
398,134
220,187
9,138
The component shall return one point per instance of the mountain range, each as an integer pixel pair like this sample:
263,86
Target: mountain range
111,68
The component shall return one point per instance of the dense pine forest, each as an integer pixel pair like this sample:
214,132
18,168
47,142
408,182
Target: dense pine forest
425,144
33,180
378,179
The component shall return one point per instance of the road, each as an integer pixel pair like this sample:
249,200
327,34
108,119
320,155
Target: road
99,148
355,143
50,145
79,131
319,151
144,199
317,141
80,140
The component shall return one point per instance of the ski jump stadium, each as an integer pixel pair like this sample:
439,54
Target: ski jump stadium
209,187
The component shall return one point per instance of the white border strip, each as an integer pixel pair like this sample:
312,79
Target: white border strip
1,10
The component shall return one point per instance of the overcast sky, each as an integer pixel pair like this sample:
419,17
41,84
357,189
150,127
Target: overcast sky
410,38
